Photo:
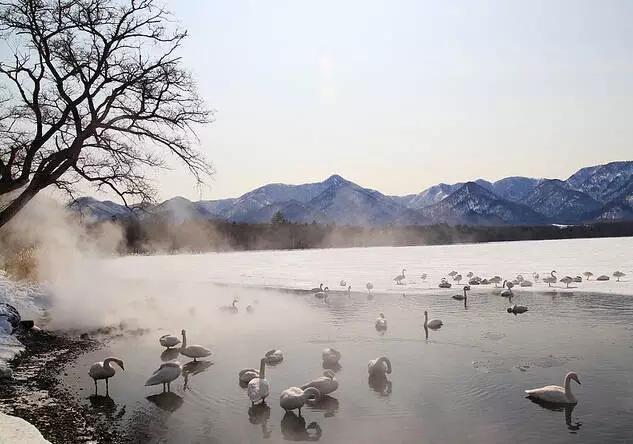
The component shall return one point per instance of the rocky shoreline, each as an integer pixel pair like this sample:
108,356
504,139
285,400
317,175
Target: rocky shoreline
37,394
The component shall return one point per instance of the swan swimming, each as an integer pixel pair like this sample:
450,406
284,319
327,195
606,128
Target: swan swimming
169,341
317,289
517,309
433,323
165,374
103,370
381,322
274,356
193,351
295,398
326,384
330,356
322,294
556,394
379,366
444,284
258,388
463,297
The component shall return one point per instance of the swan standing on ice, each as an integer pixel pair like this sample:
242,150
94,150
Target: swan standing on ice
369,287
331,357
379,366
588,274
258,388
495,280
398,279
555,393
349,291
193,351
567,280
618,275
381,322
295,398
166,373
457,278
433,323
103,370
169,341
325,384
274,356
551,279
461,297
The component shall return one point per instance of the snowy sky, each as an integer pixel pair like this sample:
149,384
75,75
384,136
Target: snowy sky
400,95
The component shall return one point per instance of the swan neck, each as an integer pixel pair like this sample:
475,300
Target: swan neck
106,362
568,387
386,361
184,340
262,369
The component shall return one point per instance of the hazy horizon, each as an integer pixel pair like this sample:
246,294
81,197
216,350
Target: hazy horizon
401,96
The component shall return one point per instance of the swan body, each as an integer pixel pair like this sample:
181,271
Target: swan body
331,356
517,309
165,374
444,284
476,280
193,351
295,398
588,274
578,279
274,356
603,277
231,308
326,384
317,289
526,283
470,274
423,276
258,388
556,394
343,283
248,374
618,275
169,341
507,293
379,366
103,370
495,280
567,280
457,278
369,287
398,279
433,323
381,322
452,273
551,279
462,297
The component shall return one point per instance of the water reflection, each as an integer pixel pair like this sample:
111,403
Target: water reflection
426,333
193,368
380,384
167,401
568,409
326,404
294,428
169,354
260,414
106,405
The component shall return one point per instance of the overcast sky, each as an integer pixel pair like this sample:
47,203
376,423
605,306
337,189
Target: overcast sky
400,95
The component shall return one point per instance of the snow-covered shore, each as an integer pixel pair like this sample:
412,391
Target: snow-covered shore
16,430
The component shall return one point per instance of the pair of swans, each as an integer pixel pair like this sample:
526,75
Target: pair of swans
191,351
322,294
296,397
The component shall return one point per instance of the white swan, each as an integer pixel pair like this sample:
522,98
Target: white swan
323,294
551,279
193,351
103,370
444,284
258,388
457,278
381,322
618,275
169,341
517,309
588,275
274,356
423,276
317,289
369,287
325,384
433,323
295,398
398,279
507,293
463,297
452,273
248,374
331,356
556,394
166,373
379,366
567,280
343,283
231,308
495,280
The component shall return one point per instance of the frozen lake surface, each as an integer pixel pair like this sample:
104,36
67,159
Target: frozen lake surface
464,383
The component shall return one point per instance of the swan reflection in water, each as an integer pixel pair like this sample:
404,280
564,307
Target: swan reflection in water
167,401
107,406
326,404
193,368
169,354
294,428
259,414
380,384
567,408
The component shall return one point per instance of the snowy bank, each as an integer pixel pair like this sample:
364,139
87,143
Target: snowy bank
16,430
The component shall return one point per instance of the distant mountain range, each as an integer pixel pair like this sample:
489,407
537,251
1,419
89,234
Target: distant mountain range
592,194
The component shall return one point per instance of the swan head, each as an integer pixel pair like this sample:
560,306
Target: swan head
183,332
574,377
426,314
381,315
117,361
467,287
509,309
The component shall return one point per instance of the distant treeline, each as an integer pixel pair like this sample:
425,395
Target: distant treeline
146,237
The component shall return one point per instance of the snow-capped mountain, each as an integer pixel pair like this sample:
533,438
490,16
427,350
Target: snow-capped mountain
602,192
475,205
557,201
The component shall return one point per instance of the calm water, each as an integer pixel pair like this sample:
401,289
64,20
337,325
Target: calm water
464,384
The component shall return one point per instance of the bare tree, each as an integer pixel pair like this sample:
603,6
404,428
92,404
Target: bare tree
94,91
